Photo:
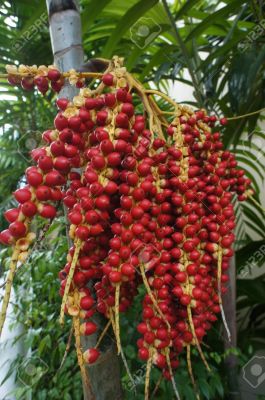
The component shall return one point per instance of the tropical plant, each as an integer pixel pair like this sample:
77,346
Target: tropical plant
222,48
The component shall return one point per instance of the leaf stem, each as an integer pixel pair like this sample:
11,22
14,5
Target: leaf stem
245,115
185,54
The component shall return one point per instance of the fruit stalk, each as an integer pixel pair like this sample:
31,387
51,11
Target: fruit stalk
9,282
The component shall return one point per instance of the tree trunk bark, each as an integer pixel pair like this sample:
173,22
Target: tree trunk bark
231,362
66,40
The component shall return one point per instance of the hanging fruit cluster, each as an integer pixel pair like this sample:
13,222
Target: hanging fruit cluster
42,78
149,202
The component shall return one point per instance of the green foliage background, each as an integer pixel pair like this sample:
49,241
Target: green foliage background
223,45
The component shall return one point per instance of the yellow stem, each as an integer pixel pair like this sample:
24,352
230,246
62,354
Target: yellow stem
256,203
164,96
245,115
196,339
128,370
192,324
64,74
171,375
149,91
146,284
190,366
219,276
9,281
99,89
159,117
112,321
148,373
191,373
168,112
122,353
165,124
67,347
117,317
157,109
80,358
155,126
69,279
103,333
157,386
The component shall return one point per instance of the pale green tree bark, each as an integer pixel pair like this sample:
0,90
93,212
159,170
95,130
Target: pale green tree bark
66,40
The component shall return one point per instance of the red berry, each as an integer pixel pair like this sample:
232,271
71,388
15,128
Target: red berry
185,300
57,148
17,229
223,121
45,163
62,103
54,178
47,211
12,214
88,328
80,278
149,337
106,146
110,100
102,117
90,103
86,302
22,195
91,355
57,86
54,74
60,122
128,108
82,232
27,83
108,79
29,209
115,276
122,120
43,193
127,269
98,162
66,135
121,95
114,159
74,123
37,153
75,217
102,202
34,178
62,163
143,354
6,237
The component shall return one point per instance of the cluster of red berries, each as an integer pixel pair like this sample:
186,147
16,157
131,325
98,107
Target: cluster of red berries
142,209
43,78
55,161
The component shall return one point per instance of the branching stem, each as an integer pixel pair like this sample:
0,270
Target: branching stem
9,281
69,279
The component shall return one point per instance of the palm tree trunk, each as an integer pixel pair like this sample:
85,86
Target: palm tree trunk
231,362
66,40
